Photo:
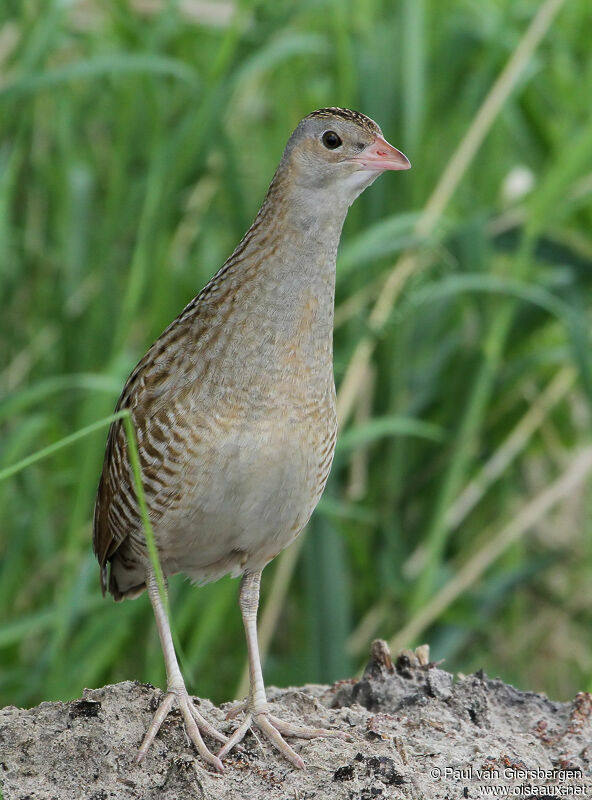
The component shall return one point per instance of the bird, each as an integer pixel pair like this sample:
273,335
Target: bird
234,413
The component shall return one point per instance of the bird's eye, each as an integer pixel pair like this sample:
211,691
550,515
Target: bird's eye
331,140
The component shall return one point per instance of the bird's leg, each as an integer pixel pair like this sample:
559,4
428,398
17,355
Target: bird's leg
257,713
176,689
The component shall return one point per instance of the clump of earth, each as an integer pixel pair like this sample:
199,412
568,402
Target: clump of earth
417,732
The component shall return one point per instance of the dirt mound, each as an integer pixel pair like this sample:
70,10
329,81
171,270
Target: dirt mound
417,733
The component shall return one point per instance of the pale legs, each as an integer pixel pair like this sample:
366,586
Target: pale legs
257,713
176,689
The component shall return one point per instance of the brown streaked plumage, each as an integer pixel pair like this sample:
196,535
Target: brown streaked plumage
364,122
234,409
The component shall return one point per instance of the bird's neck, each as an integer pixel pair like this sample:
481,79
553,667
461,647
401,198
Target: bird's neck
279,287
289,253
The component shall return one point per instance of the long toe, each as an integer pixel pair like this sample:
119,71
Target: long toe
194,722
305,732
204,725
274,730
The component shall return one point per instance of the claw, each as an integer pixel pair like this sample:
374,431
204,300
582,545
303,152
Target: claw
236,709
273,728
193,723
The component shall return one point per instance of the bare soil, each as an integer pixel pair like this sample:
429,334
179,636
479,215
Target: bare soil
418,732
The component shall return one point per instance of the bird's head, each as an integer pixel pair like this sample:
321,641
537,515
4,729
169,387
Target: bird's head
341,151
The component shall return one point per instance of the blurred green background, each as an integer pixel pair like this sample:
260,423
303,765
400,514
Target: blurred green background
137,140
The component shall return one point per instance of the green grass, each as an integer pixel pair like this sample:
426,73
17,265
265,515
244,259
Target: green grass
135,149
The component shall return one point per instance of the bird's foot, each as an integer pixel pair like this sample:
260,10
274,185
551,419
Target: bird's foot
194,723
237,708
275,729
